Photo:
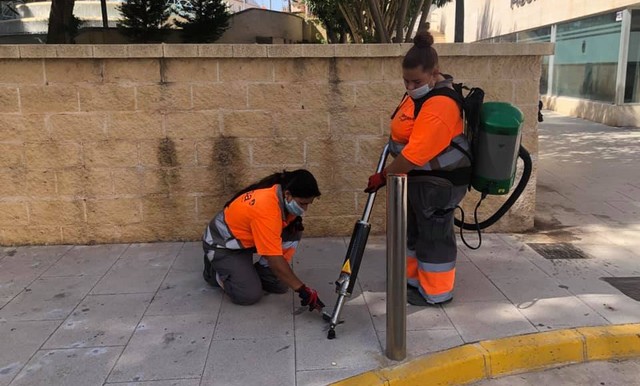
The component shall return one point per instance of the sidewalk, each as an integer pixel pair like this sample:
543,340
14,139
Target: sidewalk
136,313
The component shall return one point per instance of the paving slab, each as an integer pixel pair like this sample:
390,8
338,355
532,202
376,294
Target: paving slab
271,317
48,298
616,309
20,266
142,268
180,294
190,258
174,382
326,252
83,366
487,320
421,342
87,260
165,347
356,344
561,312
19,341
271,362
325,377
472,285
418,318
101,320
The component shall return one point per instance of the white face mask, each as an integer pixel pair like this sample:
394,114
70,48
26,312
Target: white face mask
419,92
294,208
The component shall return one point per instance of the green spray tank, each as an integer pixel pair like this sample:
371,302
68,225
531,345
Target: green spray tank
496,147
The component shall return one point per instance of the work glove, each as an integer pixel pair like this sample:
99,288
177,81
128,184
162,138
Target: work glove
376,181
309,297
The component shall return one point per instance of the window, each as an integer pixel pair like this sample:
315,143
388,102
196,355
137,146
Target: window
540,35
586,58
632,85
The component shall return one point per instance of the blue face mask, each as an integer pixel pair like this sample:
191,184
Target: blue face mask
419,92
294,208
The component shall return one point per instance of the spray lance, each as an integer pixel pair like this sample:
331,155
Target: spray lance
351,265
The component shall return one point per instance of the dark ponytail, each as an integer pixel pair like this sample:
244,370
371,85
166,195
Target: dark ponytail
301,183
422,53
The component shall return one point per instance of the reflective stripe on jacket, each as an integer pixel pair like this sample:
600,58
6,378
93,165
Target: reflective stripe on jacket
449,159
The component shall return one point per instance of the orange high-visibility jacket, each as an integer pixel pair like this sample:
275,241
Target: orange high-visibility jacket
425,140
254,219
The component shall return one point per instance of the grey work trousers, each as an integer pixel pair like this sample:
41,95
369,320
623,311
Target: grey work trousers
430,229
242,280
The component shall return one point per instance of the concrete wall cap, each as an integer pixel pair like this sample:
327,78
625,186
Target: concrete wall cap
266,50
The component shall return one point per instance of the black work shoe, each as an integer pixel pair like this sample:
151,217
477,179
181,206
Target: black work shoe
415,298
270,282
209,274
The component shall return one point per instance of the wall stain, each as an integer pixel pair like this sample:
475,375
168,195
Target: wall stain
227,165
168,160
336,103
167,155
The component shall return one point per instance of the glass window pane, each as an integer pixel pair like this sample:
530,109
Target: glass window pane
540,35
586,58
632,85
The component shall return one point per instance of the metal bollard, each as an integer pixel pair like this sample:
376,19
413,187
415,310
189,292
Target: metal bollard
396,266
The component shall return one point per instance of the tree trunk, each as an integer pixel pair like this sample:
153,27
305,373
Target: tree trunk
400,19
412,24
59,22
332,36
426,7
377,18
105,19
351,23
459,34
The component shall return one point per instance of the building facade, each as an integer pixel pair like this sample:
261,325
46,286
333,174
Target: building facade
21,17
595,70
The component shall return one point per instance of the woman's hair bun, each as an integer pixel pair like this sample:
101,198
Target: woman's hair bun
423,39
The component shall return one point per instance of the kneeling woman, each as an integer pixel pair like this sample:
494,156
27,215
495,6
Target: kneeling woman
266,218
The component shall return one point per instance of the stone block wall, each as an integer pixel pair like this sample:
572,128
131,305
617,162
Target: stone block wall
134,143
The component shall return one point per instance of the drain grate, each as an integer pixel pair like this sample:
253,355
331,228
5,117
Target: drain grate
629,286
555,251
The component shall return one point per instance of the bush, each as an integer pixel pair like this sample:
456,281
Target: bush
144,21
205,22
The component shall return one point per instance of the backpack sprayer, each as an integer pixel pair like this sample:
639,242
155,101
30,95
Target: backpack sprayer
493,130
496,147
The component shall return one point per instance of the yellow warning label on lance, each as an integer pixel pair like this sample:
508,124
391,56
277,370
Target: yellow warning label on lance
346,267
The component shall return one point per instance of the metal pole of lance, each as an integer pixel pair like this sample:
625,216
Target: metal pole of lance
396,267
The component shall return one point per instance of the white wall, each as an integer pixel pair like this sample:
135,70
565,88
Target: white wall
487,18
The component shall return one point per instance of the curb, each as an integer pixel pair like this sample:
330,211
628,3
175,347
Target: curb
494,358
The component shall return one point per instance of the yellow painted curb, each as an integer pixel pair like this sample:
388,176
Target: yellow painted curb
612,342
516,354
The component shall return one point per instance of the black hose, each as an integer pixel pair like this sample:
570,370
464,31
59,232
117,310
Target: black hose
524,179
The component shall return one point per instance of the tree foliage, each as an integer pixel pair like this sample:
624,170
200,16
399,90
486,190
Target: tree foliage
367,21
206,22
144,21
328,12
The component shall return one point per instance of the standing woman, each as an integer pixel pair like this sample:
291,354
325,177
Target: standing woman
266,218
433,151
